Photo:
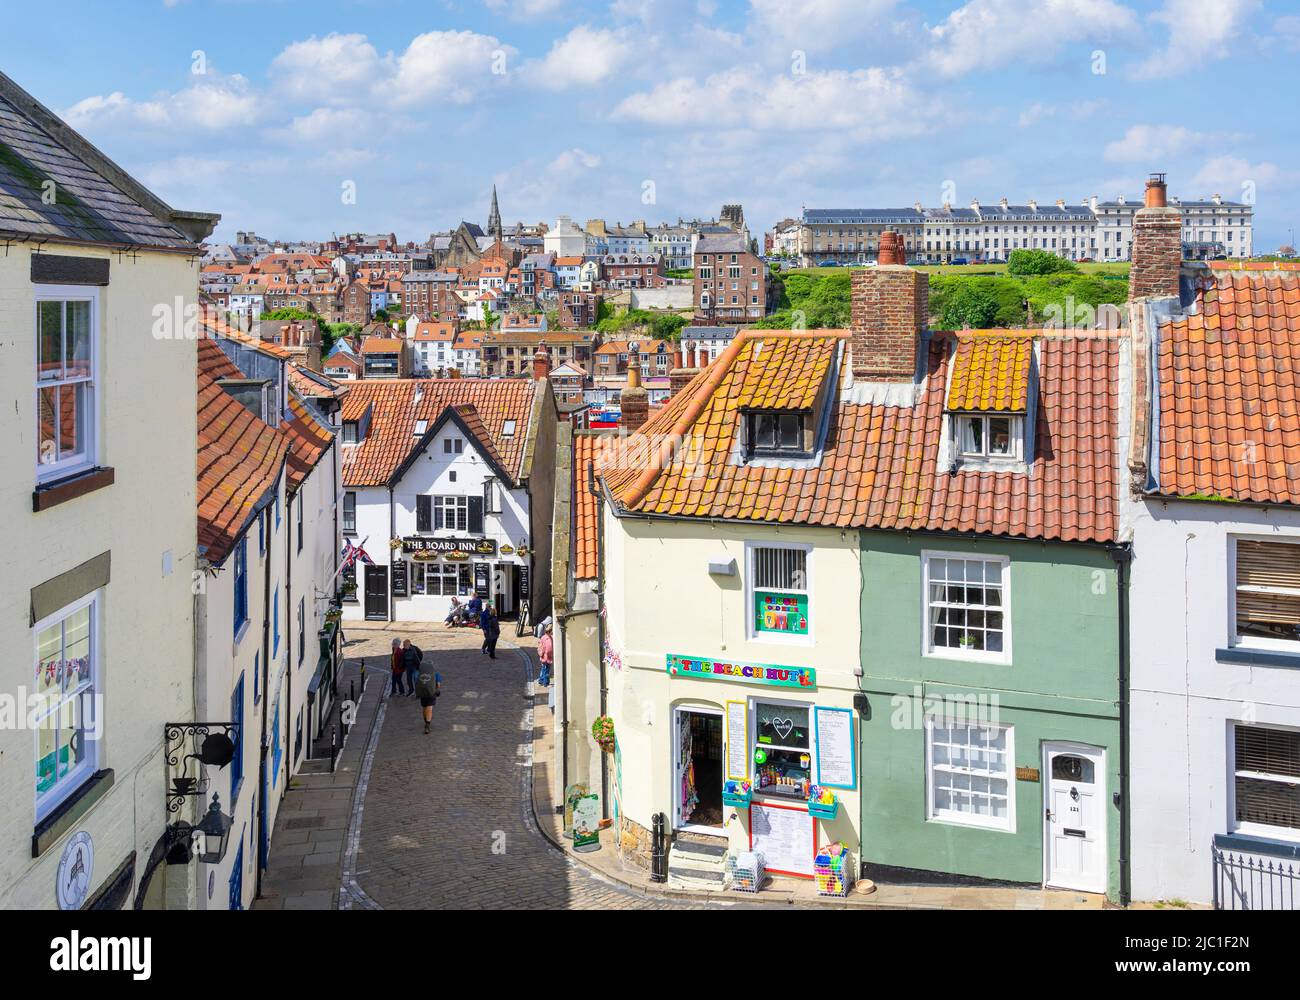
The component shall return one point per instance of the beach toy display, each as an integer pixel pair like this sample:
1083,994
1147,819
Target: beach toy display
822,803
832,870
736,793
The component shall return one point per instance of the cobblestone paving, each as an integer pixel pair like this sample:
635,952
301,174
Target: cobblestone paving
446,819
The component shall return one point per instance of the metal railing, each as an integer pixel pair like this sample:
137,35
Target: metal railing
1243,882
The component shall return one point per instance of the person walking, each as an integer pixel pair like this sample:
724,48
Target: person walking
487,621
412,655
428,686
398,668
546,653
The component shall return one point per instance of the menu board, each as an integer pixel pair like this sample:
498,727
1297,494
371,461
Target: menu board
784,835
737,741
399,578
837,764
483,580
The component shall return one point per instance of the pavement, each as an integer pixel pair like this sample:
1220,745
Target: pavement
461,818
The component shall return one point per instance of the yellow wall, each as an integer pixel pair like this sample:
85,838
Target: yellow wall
662,599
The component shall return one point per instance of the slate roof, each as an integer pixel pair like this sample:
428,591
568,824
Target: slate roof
879,464
394,411
990,373
239,458
314,385
88,207
1229,392
308,439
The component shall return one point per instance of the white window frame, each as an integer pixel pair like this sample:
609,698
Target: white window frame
1016,433
1253,829
751,631
456,504
933,815
64,788
48,472
1235,639
931,651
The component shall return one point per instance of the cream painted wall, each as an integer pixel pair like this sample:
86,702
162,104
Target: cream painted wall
662,599
146,417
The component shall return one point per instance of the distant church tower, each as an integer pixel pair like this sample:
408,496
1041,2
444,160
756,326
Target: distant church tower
494,217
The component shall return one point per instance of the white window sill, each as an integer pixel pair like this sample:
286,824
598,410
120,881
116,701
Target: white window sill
944,653
969,824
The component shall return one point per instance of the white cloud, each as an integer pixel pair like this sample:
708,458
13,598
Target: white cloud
868,101
1150,143
583,57
524,9
821,25
452,65
1199,30
997,34
1231,176
211,103
325,68
329,123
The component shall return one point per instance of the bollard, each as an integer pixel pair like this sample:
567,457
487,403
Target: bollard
334,747
658,848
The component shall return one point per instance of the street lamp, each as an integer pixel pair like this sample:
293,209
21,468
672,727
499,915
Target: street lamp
217,749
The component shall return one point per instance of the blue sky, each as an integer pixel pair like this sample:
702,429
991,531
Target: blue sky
265,110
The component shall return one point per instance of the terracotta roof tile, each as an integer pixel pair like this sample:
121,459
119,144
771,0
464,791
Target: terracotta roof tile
990,372
1229,393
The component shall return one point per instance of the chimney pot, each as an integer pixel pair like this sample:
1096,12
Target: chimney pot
1156,193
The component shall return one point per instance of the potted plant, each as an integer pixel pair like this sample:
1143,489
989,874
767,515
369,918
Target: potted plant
602,730
967,641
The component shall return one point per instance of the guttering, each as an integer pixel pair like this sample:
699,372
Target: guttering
1122,554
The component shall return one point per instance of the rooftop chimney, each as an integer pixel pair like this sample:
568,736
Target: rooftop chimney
634,401
890,308
1157,253
685,370
541,363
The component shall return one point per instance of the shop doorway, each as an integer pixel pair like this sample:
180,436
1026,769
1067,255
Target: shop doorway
503,590
1074,790
697,769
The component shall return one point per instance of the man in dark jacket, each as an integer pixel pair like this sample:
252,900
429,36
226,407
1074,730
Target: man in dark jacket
487,621
428,685
411,657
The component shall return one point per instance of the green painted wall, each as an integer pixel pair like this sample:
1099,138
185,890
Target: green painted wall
1062,684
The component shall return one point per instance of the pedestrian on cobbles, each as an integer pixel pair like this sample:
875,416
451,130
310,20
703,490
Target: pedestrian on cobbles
491,628
398,668
412,655
546,653
428,686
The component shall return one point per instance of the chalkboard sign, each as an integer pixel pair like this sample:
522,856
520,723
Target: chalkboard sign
523,581
483,580
399,578
784,835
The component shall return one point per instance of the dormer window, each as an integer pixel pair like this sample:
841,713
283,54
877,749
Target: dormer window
990,436
350,434
777,434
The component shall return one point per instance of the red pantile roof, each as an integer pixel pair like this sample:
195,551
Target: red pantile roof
239,458
990,372
879,464
394,411
586,564
308,439
1229,392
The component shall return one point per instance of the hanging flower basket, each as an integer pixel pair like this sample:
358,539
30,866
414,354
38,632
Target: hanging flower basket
602,730
394,543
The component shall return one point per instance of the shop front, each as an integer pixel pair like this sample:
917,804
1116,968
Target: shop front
430,575
761,757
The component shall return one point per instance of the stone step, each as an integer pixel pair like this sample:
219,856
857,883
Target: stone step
698,866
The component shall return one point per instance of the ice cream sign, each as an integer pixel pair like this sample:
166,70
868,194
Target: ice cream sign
752,673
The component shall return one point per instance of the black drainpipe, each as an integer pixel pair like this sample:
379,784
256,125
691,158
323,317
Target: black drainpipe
267,598
1123,556
392,533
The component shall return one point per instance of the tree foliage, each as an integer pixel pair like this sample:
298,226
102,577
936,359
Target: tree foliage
1028,262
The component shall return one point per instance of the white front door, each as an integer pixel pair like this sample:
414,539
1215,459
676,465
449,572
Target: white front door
1074,794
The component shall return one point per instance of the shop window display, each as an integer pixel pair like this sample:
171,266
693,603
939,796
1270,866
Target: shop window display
783,750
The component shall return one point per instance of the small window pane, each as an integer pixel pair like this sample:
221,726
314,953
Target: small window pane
77,340
50,321
1000,436
972,435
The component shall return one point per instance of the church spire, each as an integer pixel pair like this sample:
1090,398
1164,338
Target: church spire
494,217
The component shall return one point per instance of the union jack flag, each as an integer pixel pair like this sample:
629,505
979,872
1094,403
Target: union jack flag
351,553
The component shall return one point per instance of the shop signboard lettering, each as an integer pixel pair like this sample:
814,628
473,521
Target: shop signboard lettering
769,674
473,546
784,613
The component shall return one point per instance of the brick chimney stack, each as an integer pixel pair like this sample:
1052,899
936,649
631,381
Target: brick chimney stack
634,401
541,363
1157,254
684,371
890,307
